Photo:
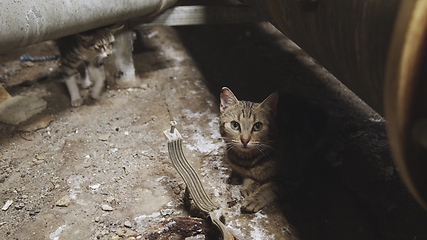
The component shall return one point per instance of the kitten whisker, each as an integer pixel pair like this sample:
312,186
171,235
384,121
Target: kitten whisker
230,146
263,151
99,61
267,146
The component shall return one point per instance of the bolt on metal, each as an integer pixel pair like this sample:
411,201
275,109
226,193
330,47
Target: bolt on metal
173,126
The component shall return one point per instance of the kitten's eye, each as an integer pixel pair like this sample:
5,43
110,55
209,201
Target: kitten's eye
235,125
257,126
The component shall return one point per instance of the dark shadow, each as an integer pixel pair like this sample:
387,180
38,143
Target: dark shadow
346,195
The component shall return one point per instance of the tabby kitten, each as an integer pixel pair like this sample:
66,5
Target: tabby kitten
90,48
256,150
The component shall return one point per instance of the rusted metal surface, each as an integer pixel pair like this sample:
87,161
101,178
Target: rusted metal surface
405,97
349,38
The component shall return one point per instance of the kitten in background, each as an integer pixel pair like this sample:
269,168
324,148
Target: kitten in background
90,48
270,159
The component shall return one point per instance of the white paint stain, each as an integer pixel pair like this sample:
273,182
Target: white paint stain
258,232
203,141
58,231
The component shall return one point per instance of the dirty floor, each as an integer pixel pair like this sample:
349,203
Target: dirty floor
102,170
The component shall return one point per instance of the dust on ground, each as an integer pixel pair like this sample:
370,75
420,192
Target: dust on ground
102,171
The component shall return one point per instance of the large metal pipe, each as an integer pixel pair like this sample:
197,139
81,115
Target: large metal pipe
349,38
26,22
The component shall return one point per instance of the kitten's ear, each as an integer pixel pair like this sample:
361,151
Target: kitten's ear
116,27
85,37
227,98
271,102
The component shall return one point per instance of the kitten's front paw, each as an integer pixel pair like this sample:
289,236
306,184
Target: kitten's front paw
249,186
252,204
76,102
86,84
246,191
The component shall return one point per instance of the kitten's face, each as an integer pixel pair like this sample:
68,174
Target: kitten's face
100,41
104,45
247,126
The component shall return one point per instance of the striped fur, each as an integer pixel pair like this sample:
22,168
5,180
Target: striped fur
256,153
91,49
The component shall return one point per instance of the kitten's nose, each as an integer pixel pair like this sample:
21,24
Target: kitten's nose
245,141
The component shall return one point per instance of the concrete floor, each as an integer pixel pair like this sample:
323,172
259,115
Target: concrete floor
108,160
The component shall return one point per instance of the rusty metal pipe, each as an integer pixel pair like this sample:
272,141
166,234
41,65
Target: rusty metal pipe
349,38
26,22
